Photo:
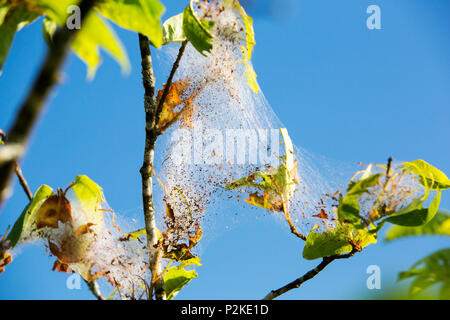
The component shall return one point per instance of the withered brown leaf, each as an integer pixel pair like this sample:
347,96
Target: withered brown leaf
322,214
173,100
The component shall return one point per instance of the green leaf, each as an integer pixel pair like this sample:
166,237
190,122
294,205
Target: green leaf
439,225
335,241
25,220
172,30
12,19
421,283
430,177
429,271
280,181
415,214
97,33
348,210
175,279
142,16
445,291
196,32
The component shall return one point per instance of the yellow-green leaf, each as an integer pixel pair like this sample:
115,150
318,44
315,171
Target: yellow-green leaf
172,29
90,196
251,76
142,16
175,279
430,177
96,33
12,19
135,235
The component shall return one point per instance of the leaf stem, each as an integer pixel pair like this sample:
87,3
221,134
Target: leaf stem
95,289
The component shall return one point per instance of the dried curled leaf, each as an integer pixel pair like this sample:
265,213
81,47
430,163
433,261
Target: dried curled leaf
55,209
276,185
5,259
169,212
175,107
182,252
83,229
266,201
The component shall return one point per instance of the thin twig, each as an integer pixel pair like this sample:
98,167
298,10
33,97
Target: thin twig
33,105
95,289
22,180
307,276
293,228
388,170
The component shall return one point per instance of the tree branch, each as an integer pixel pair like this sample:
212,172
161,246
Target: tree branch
153,111
32,107
148,80
308,276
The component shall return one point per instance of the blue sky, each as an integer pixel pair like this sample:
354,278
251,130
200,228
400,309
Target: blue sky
342,90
